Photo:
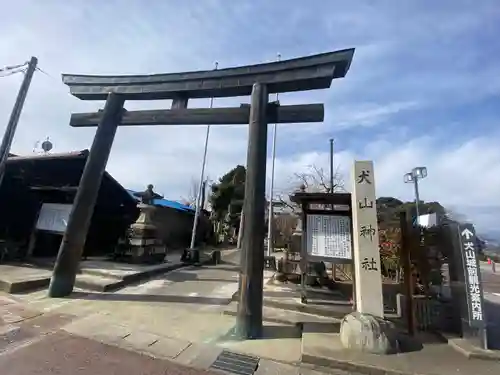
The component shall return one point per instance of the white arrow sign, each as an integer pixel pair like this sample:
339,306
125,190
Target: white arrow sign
467,233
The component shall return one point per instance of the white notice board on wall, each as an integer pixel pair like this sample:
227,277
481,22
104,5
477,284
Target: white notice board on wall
329,236
54,217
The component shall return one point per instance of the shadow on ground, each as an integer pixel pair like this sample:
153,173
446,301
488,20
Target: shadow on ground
181,276
269,332
151,298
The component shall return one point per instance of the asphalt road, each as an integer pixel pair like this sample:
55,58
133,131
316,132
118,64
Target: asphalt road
491,289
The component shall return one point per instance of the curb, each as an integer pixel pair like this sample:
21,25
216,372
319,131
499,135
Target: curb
470,351
350,366
127,280
24,286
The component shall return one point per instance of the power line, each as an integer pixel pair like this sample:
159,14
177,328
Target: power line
12,67
11,72
44,72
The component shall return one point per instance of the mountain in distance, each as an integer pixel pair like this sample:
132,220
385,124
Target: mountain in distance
491,240
492,235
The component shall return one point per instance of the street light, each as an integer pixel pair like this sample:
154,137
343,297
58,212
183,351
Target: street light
412,177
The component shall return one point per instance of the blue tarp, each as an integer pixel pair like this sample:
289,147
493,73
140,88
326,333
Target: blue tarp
166,203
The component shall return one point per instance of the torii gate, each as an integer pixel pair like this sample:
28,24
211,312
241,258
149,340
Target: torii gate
300,74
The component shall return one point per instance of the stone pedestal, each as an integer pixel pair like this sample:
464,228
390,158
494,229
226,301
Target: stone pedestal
145,247
284,267
369,333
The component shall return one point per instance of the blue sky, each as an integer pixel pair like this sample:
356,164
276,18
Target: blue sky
423,88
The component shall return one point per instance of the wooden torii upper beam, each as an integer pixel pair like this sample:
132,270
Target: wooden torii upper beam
300,74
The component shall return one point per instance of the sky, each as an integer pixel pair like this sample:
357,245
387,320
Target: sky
423,88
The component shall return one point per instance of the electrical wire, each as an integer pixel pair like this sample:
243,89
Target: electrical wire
13,69
12,73
44,72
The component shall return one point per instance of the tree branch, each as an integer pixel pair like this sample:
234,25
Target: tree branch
315,179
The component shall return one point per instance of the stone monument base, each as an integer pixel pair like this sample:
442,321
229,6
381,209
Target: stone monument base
370,334
146,250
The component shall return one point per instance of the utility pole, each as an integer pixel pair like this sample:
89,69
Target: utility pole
15,115
417,199
331,165
270,244
203,194
240,231
334,266
195,254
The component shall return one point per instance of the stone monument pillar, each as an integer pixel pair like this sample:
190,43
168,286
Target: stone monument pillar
368,277
366,330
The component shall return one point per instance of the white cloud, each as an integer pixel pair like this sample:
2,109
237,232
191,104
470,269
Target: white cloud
465,177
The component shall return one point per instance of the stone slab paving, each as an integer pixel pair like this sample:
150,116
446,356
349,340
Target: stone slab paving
280,342
193,329
321,346
20,325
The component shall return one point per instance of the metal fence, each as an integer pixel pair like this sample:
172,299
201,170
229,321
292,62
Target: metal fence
430,314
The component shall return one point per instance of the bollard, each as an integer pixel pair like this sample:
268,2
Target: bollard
493,266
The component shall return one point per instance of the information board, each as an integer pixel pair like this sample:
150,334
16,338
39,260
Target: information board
54,217
329,236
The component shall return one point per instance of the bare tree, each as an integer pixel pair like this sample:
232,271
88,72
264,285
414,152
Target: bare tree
316,180
194,188
313,180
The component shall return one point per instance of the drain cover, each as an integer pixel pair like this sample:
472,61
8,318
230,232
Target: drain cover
235,363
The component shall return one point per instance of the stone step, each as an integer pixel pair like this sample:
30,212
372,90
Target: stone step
330,309
98,283
132,275
280,316
26,285
36,274
105,280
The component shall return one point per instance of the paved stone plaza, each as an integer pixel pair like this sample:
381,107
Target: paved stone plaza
183,318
